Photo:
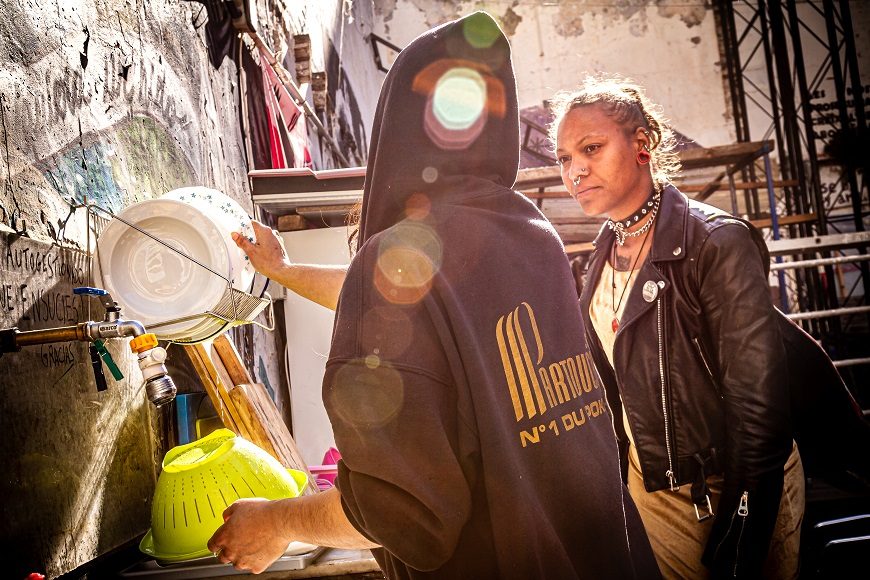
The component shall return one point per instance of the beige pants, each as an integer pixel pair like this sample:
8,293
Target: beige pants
678,538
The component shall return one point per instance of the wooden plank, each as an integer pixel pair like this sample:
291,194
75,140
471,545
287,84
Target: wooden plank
723,154
212,383
697,158
684,187
228,354
693,188
546,194
812,244
583,248
262,409
580,220
325,209
785,220
244,407
253,428
256,408
538,177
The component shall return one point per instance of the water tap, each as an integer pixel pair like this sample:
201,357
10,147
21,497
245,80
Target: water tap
159,386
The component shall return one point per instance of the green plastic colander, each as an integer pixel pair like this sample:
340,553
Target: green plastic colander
199,481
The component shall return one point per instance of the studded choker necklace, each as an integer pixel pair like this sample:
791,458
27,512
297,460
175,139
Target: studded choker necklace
650,207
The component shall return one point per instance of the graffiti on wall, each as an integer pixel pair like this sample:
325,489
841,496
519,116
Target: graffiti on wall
114,114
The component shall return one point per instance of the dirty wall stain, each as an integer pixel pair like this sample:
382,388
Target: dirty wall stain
569,19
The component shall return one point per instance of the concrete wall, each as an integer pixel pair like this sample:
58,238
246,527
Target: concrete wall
669,47
112,103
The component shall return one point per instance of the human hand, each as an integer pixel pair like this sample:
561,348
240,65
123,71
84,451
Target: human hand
267,253
251,537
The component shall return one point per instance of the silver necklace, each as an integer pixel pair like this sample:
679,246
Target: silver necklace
620,228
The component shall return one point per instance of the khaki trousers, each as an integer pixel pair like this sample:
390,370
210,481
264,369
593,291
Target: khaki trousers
678,538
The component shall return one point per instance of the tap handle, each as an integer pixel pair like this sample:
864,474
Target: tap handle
105,298
97,365
89,291
107,358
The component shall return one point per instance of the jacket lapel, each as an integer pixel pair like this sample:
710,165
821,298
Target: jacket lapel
668,245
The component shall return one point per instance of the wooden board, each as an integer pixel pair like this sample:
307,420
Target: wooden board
231,360
208,376
243,405
257,399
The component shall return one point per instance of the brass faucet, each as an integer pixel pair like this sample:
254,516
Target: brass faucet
159,386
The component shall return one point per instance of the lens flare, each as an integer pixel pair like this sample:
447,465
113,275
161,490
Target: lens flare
365,394
418,206
394,332
409,256
430,175
459,98
480,32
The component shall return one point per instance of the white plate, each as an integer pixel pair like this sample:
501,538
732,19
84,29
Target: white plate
230,217
207,328
151,282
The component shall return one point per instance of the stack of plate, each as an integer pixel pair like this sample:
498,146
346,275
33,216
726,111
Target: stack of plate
154,283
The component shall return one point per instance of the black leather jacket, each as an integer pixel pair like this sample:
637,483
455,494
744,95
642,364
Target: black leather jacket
701,366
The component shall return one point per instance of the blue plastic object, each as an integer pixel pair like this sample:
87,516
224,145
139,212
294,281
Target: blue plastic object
90,291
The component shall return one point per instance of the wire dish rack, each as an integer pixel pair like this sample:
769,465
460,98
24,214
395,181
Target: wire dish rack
235,307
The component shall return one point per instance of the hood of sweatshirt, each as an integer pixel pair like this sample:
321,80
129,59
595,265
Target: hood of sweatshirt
446,124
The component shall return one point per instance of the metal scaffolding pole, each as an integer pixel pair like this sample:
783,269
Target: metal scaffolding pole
788,36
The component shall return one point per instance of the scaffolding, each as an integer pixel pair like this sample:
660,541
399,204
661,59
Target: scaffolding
793,73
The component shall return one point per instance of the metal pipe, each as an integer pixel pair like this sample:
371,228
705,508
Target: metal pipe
49,335
828,313
820,262
849,362
159,386
734,209
129,328
84,331
774,227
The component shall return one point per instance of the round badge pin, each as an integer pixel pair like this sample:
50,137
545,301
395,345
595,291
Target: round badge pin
650,290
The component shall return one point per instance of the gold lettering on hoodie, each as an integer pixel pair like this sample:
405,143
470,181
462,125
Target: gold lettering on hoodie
534,388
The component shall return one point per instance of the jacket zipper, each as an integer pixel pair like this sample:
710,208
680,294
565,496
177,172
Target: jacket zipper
703,358
670,472
743,512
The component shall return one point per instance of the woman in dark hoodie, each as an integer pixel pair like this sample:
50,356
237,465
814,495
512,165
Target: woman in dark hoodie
476,441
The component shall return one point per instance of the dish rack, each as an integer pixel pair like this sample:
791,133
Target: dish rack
235,307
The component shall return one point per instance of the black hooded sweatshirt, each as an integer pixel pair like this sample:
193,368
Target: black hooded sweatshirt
476,441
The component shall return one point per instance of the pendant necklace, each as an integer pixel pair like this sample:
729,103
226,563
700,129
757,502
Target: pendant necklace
614,324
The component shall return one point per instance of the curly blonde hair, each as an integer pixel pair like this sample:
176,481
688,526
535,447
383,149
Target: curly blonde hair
627,104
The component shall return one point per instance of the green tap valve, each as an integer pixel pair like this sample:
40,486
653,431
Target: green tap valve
107,358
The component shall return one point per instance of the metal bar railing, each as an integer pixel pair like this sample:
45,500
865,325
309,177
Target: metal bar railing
851,362
828,313
819,262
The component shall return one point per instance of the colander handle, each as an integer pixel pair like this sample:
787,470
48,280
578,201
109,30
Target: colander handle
175,452
300,477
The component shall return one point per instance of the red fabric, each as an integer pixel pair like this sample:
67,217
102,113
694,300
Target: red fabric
276,147
284,110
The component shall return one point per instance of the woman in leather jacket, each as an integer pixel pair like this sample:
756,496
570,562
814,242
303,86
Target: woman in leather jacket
688,344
